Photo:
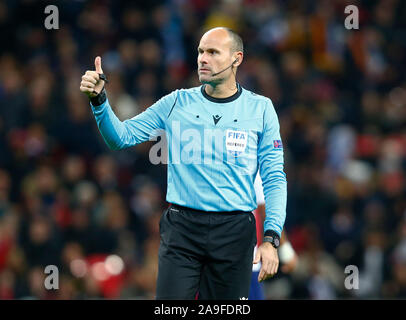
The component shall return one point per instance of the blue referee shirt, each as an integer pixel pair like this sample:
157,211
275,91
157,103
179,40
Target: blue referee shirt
215,148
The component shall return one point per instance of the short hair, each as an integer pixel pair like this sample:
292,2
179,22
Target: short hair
236,41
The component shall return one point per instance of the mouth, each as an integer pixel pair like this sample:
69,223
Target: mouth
204,70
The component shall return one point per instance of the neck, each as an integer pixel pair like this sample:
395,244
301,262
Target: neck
221,90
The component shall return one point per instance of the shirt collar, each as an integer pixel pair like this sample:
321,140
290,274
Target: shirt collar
222,100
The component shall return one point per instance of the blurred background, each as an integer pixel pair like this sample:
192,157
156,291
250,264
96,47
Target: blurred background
67,200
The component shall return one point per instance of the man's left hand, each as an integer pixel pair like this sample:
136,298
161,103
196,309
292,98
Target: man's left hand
268,255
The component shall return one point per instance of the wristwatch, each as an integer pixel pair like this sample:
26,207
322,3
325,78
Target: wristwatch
272,237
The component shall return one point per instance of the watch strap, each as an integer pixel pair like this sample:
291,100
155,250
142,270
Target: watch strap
272,237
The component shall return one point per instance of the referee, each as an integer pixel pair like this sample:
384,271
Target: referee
219,135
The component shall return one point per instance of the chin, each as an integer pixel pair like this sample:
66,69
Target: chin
204,79
209,80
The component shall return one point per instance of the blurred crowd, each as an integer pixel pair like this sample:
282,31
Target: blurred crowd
69,201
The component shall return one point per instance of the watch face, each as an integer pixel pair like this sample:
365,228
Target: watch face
276,242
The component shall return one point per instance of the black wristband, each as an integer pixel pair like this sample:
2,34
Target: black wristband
99,99
103,77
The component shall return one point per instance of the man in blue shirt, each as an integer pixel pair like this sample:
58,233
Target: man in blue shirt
219,135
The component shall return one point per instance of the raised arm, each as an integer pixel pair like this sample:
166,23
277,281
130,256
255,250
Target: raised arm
123,134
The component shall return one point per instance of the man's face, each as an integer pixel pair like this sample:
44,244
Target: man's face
214,55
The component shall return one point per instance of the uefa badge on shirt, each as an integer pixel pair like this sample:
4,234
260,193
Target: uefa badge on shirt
277,144
236,141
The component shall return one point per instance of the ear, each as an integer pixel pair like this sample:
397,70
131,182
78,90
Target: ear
238,57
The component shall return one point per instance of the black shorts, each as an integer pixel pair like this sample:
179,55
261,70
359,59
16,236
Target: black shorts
207,255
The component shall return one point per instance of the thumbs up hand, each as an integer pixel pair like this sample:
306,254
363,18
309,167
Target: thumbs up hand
97,65
92,84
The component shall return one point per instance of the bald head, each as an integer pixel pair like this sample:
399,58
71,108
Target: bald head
227,34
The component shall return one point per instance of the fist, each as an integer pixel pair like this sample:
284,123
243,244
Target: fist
91,83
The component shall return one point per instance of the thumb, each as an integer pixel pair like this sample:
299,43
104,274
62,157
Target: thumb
97,64
257,257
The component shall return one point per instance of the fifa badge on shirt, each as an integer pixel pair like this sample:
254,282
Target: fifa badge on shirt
236,142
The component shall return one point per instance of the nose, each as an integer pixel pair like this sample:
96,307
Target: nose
202,59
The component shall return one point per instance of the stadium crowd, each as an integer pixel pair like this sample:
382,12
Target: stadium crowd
69,201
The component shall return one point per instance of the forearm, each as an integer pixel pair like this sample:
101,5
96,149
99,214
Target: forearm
114,132
275,190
